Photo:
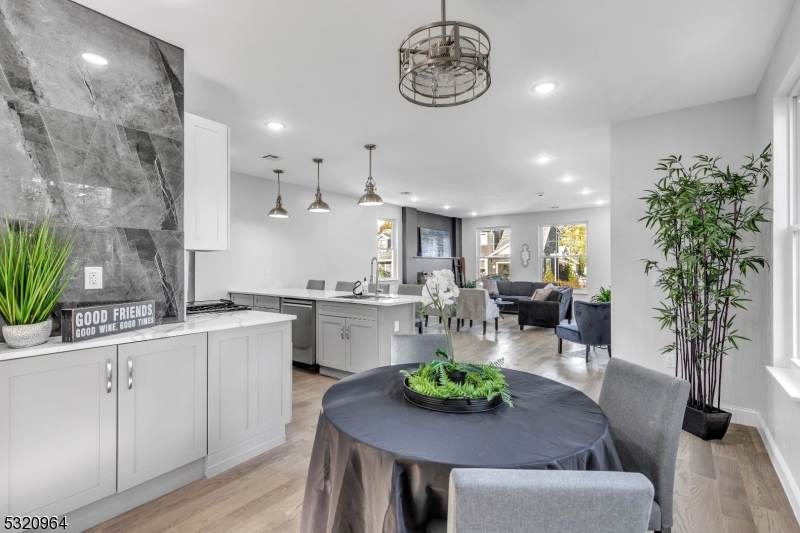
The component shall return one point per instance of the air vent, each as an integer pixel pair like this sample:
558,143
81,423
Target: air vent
272,157
406,192
554,207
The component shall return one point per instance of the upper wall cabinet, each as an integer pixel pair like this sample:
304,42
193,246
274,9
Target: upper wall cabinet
207,184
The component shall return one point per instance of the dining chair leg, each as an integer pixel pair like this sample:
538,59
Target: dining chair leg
520,327
449,321
426,321
420,327
587,353
496,322
560,345
484,326
440,320
458,324
470,323
609,351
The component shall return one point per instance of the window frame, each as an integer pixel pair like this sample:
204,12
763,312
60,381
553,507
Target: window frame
482,258
542,256
794,212
392,248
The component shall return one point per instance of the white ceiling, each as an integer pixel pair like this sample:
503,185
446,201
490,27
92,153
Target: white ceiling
327,70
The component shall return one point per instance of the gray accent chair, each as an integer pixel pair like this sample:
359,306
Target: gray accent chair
546,501
407,289
475,304
432,311
417,348
345,286
592,326
316,284
384,288
645,409
547,313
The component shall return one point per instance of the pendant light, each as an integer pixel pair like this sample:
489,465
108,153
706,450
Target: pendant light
370,197
279,211
318,206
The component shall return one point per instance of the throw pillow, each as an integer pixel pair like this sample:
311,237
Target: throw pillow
541,295
491,286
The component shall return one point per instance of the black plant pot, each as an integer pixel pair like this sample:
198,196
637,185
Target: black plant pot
707,426
451,405
457,377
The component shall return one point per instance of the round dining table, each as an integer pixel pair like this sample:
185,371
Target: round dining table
382,464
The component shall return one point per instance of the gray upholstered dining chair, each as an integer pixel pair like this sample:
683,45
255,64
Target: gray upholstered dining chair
552,501
475,304
345,286
415,348
384,288
406,289
645,409
316,284
592,326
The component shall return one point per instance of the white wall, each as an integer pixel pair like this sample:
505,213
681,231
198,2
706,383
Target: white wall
525,230
335,246
724,128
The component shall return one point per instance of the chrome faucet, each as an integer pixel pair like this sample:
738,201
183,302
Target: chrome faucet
375,279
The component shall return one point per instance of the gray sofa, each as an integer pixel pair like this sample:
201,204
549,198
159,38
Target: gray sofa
516,291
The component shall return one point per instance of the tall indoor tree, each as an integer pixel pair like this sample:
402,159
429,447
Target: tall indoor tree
702,215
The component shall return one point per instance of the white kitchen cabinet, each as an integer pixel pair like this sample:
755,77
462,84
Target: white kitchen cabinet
162,389
249,391
206,184
331,342
58,431
362,344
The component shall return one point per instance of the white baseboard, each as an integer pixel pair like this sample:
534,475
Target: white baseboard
784,474
742,415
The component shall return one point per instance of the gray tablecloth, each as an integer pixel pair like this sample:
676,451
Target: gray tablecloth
380,463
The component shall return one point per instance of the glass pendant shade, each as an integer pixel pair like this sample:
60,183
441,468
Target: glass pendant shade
279,211
319,206
370,197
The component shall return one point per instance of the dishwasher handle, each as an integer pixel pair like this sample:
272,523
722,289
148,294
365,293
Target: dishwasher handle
306,305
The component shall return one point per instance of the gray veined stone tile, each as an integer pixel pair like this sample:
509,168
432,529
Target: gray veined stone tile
14,160
15,78
106,142
70,160
176,84
140,146
71,128
114,174
168,153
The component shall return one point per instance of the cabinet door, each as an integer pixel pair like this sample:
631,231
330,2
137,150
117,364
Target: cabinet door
162,407
362,344
249,383
58,431
206,184
331,342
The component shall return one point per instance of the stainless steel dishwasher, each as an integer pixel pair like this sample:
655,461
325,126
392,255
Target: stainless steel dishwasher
304,330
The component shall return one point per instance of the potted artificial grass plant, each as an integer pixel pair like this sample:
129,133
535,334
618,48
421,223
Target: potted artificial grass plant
703,215
33,257
445,384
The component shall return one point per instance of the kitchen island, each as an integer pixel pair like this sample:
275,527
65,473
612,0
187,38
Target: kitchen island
347,334
92,429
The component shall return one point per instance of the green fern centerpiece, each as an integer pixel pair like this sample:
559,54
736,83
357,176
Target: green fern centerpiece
445,384
481,382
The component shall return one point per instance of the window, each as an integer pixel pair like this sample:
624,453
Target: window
563,257
494,253
794,196
386,249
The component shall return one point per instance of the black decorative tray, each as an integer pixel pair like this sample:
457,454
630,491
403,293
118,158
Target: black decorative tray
451,405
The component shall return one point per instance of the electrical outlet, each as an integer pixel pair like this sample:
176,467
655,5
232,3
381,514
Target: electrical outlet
670,360
93,278
397,325
264,270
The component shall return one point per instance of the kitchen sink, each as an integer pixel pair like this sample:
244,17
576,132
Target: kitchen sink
360,297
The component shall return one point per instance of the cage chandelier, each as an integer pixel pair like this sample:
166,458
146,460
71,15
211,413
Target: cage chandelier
445,63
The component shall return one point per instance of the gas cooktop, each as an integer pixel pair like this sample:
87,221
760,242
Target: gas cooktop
213,306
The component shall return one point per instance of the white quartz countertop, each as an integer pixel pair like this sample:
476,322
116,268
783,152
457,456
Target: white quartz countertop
332,296
194,324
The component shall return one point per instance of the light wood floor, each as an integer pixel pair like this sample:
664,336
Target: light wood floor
726,486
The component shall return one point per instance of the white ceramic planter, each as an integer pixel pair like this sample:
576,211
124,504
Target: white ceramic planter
27,335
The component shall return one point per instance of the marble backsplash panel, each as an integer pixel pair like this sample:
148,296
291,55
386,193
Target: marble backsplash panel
98,147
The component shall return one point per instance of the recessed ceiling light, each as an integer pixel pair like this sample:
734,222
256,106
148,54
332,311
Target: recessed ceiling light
96,59
599,202
275,125
567,178
414,199
585,191
543,159
545,87
446,206
474,213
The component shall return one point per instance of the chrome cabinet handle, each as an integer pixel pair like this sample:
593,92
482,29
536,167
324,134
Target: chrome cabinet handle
348,331
130,372
109,375
341,331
